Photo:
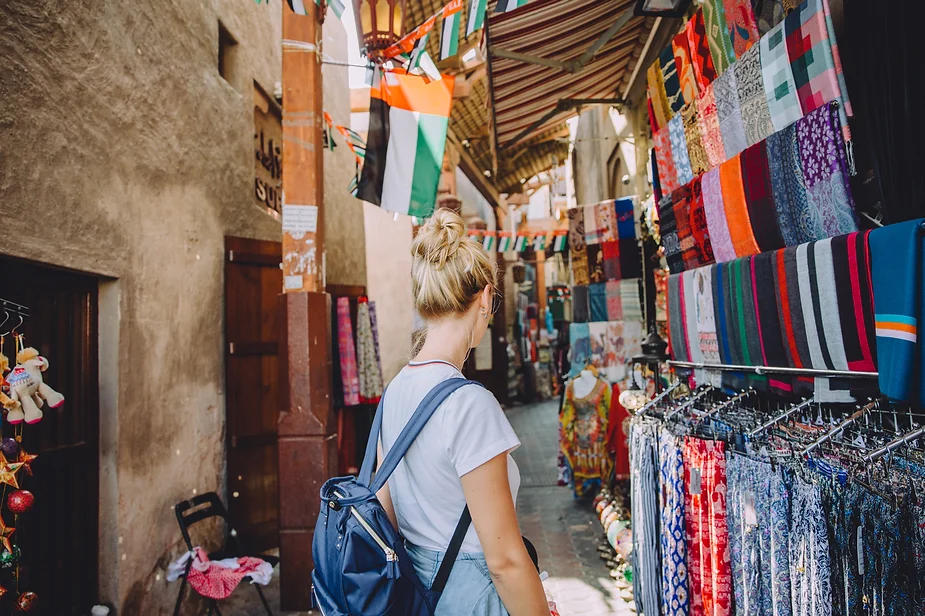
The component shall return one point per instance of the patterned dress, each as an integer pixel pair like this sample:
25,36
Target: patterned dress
583,438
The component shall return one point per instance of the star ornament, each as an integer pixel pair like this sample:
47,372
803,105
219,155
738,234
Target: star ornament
8,473
5,533
26,459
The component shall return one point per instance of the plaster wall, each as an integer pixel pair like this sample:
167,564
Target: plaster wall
124,153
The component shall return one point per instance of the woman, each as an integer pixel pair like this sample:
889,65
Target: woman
462,456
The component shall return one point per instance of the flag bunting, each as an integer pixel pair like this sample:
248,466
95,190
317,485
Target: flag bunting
505,6
449,38
475,20
407,42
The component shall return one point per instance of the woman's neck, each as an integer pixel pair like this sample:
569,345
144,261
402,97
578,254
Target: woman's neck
446,340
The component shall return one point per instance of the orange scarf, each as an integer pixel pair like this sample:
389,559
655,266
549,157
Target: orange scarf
740,226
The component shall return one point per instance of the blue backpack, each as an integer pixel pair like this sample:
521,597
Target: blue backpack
361,566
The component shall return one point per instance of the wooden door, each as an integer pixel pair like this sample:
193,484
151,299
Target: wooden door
253,282
59,536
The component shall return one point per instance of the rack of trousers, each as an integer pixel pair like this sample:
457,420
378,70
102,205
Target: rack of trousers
743,505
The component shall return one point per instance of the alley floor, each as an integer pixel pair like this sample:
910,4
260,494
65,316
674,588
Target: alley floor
565,531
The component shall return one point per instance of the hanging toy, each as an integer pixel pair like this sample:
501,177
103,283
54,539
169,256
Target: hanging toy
20,501
9,559
10,448
5,400
27,601
27,387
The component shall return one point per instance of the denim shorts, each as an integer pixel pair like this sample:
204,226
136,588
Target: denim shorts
469,590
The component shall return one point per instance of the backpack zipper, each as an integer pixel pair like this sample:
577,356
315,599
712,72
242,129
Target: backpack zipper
390,554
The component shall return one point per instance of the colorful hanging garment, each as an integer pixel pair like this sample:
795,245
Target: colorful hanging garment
629,299
845,111
779,87
580,343
810,53
347,353
677,336
896,256
756,116
592,227
810,578
625,211
712,135
698,224
743,31
729,112
675,592
690,320
659,100
806,220
693,136
793,329
644,511
714,19
768,13
614,305
825,166
671,81
701,59
583,436
779,185
578,249
682,61
596,263
736,208
705,316
769,330
824,302
759,197
682,219
682,161
712,193
606,217
369,373
851,261
668,228
597,300
611,252
667,174
374,322
618,437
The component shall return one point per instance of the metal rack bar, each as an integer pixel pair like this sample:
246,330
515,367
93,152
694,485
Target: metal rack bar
903,440
9,306
781,417
727,403
689,402
774,370
659,397
838,429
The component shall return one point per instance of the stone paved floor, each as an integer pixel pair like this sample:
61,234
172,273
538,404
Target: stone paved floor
564,531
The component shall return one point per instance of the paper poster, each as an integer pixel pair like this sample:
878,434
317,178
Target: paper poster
300,219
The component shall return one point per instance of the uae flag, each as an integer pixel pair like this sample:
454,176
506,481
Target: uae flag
449,37
488,243
298,6
521,244
404,147
560,242
504,241
475,235
505,6
539,242
475,20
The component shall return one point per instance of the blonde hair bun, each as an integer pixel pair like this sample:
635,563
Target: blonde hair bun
448,271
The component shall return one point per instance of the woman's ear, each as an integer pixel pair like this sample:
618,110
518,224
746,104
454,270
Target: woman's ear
485,299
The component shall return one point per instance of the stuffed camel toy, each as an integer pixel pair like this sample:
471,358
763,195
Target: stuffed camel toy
5,400
27,388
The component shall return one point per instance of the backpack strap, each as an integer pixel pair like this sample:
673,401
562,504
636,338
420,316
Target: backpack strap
449,559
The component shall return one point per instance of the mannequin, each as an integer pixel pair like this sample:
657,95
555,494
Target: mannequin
585,382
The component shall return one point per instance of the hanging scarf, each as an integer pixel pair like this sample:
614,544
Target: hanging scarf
625,211
743,31
714,19
769,331
668,229
851,258
768,13
667,174
805,220
711,135
729,113
693,136
578,250
660,108
606,217
705,317
779,87
614,305
682,161
759,197
592,226
596,263
736,208
698,224
701,58
712,194
845,111
810,53
677,336
825,167
369,373
630,259
580,343
682,61
347,353
752,98
581,310
782,204
374,322
629,298
597,302
611,260
671,81
683,222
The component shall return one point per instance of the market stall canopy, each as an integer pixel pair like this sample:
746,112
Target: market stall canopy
544,60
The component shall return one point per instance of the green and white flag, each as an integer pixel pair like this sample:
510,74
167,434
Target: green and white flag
504,241
449,37
539,242
560,242
338,7
420,60
505,6
406,139
476,18
298,6
488,243
521,244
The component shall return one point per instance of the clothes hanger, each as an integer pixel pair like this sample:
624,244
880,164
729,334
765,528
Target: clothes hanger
794,409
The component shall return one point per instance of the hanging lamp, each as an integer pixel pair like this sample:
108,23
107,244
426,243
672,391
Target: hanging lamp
380,24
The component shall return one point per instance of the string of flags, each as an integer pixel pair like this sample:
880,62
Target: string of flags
354,143
298,6
504,241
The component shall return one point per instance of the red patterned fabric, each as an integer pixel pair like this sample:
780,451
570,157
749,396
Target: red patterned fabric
698,223
701,59
711,134
685,68
743,30
666,170
347,352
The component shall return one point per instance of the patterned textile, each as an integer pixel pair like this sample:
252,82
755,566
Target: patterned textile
811,58
597,301
706,316
614,305
701,58
759,196
825,167
752,99
370,374
779,87
660,108
845,110
669,228
611,252
736,208
374,322
675,591
768,13
682,61
729,113
583,436
682,161
578,250
850,258
698,224
709,569
714,19
711,135
581,309
806,220
645,516
693,136
580,342
625,209
596,263
667,175
809,553
592,226
682,216
712,193
629,298
606,221
347,353
670,81
740,19
779,186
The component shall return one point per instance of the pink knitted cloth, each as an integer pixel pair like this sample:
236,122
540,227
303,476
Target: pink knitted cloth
218,579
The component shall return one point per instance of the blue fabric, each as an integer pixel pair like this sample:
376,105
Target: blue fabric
580,341
898,275
626,218
597,300
682,161
469,589
675,586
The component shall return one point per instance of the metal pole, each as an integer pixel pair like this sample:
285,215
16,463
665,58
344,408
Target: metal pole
781,417
774,370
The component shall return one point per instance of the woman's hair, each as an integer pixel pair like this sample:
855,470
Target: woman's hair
448,271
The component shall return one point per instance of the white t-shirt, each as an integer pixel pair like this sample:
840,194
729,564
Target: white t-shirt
468,430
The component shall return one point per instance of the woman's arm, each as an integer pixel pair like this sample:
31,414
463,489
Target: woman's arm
384,496
488,495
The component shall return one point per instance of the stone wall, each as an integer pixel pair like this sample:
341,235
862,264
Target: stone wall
124,153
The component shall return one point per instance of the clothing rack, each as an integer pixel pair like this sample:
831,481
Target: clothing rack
689,402
14,308
774,370
659,397
727,403
838,429
899,442
795,409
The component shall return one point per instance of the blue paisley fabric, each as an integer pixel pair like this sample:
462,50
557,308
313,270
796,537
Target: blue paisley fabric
675,587
810,579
